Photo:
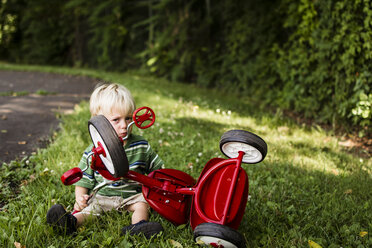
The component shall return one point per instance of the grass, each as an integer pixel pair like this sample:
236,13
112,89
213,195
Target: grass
26,93
14,93
307,188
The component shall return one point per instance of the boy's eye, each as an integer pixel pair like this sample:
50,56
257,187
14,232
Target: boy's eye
128,118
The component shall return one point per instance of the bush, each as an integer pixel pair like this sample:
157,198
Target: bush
311,57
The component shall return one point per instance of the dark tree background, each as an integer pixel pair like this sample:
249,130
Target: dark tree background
312,57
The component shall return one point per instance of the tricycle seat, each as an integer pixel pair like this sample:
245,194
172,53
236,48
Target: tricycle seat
220,195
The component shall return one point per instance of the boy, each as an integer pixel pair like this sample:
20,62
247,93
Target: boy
116,103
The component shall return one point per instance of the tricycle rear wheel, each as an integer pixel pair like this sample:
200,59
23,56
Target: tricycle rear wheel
218,235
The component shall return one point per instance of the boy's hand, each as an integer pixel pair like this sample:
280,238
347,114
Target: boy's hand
81,202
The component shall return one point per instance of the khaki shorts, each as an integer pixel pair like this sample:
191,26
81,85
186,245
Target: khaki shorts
100,203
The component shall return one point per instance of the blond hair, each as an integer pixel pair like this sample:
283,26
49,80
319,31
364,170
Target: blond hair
107,98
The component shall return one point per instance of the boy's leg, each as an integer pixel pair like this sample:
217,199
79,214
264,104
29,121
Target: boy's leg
96,205
140,212
81,217
63,221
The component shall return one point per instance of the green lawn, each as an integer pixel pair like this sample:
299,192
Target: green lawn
307,188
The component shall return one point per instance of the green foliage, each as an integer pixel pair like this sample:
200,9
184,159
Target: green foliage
45,33
105,36
311,57
9,21
98,34
330,60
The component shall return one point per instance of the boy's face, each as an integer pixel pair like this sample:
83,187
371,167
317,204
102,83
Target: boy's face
120,122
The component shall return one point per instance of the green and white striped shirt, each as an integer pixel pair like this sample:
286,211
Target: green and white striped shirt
141,158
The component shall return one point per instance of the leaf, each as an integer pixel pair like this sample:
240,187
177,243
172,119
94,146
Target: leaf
152,61
312,244
46,171
272,205
125,244
22,142
200,242
363,233
175,243
16,219
181,226
348,192
6,219
18,245
109,240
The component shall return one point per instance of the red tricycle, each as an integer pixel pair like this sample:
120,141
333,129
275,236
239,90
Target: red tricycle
214,204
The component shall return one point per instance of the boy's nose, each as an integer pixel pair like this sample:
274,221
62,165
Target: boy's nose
123,124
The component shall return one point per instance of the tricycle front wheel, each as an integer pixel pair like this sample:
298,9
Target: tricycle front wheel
104,135
234,141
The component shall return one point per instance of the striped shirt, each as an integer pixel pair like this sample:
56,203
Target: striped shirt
141,158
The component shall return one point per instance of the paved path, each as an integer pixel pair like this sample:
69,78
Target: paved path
26,122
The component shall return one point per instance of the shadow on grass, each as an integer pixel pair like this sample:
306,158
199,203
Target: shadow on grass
290,205
341,160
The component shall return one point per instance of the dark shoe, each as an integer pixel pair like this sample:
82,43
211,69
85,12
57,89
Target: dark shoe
61,220
147,228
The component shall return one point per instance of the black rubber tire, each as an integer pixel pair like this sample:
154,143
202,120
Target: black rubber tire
242,136
114,147
220,232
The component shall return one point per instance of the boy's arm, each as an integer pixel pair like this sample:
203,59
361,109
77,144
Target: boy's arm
81,197
155,162
88,180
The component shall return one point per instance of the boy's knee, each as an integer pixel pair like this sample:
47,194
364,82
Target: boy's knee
143,206
139,206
